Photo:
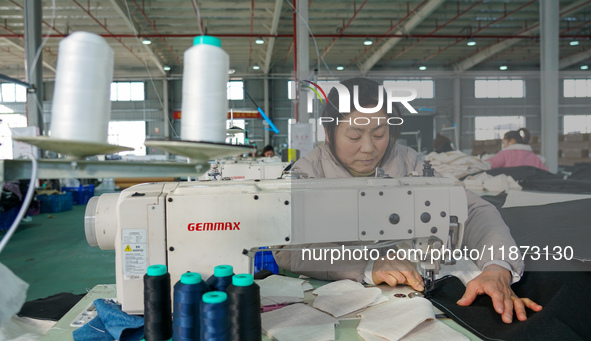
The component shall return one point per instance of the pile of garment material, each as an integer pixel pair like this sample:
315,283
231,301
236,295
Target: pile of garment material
458,165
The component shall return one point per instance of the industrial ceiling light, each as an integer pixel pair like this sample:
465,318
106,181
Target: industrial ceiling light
368,42
259,41
146,41
503,67
340,68
574,42
256,67
231,71
166,68
584,67
422,68
471,42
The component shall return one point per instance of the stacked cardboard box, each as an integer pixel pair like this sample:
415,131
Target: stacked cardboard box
573,148
486,147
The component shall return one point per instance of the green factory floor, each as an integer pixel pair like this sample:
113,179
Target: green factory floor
52,255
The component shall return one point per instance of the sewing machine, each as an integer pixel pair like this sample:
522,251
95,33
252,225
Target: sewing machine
194,226
249,169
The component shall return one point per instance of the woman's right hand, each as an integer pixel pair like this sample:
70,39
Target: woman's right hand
394,272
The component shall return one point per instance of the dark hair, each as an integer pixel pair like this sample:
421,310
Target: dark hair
267,148
518,136
442,144
368,96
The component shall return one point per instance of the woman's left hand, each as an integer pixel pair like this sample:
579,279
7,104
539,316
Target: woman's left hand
495,281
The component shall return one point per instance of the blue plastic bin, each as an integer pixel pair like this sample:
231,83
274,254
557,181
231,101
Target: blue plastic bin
55,202
7,218
265,260
80,194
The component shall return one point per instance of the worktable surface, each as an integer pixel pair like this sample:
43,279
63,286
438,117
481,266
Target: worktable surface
345,331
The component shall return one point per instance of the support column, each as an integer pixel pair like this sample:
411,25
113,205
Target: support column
458,111
166,113
32,15
303,57
266,108
549,21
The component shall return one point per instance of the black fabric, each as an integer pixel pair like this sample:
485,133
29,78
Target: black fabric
581,171
523,172
535,179
50,308
557,185
498,200
564,297
519,173
561,224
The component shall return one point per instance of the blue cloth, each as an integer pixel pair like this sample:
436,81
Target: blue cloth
111,324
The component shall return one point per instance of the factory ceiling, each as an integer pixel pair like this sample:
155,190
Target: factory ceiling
403,34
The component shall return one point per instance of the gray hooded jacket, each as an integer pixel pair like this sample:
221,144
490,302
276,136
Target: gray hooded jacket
484,226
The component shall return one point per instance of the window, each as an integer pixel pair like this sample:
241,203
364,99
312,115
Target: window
577,124
495,127
290,90
235,90
499,88
128,134
8,121
424,87
127,91
11,92
577,88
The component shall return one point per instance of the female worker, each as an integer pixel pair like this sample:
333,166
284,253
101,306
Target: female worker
516,152
353,150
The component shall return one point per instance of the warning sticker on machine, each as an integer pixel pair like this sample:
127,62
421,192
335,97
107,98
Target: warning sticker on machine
135,255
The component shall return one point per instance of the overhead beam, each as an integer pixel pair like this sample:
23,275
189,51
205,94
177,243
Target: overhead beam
531,31
406,28
573,59
274,26
20,48
133,26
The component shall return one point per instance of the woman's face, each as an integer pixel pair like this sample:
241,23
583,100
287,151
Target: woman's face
361,143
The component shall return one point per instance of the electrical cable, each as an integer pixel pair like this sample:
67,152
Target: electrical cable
25,205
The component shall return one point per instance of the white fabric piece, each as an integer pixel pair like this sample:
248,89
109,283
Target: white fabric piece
307,286
493,184
24,329
456,164
338,287
395,319
381,299
500,183
298,322
13,293
433,329
346,302
525,198
280,289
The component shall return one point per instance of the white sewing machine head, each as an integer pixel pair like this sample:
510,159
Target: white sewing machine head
194,226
